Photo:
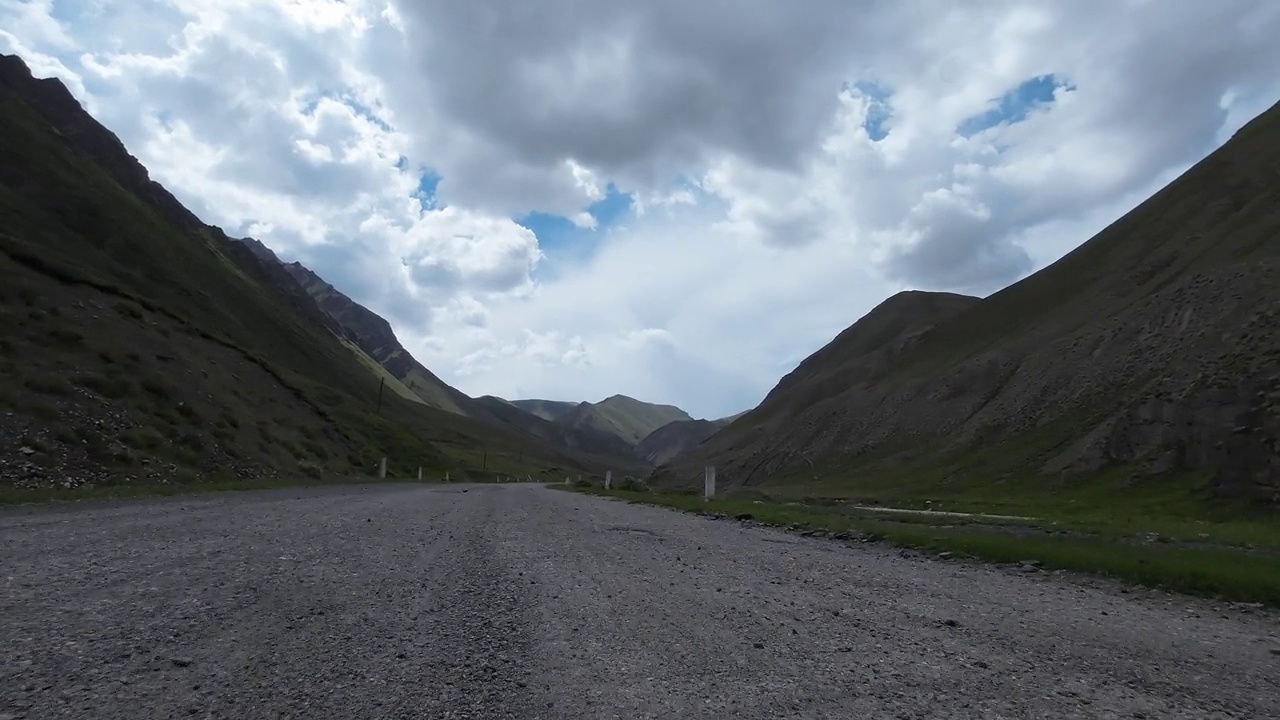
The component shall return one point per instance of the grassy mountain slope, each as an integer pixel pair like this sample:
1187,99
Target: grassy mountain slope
138,343
1148,354
623,417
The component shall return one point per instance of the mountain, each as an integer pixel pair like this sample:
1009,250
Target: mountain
604,449
674,438
622,422
1149,352
138,343
618,416
374,336
546,409
373,341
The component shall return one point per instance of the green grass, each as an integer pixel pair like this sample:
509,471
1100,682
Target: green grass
1110,504
1221,571
21,496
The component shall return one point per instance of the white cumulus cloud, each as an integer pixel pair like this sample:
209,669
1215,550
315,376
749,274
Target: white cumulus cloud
789,165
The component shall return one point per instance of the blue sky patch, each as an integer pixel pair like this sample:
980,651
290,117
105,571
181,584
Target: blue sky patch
1014,106
560,239
427,185
878,111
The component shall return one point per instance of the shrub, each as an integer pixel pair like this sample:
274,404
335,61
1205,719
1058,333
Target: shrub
129,310
316,449
114,388
48,385
63,336
294,449
142,438
156,387
633,484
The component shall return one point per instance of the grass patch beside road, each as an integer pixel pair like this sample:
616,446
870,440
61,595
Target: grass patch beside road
21,496
1228,572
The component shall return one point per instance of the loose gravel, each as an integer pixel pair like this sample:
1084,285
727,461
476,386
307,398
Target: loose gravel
518,601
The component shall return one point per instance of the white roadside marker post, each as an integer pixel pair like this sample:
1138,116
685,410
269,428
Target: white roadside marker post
709,485
419,473
382,469
608,479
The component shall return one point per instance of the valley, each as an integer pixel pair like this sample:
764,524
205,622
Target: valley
1129,387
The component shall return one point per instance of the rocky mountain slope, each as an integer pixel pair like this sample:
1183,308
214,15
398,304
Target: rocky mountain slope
1151,351
373,334
138,343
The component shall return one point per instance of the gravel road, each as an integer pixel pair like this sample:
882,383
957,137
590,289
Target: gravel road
525,602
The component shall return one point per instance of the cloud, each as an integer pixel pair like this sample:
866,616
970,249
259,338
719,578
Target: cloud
673,200
723,318
634,91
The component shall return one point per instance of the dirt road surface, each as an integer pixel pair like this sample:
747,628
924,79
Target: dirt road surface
519,601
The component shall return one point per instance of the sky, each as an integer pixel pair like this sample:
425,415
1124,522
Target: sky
672,200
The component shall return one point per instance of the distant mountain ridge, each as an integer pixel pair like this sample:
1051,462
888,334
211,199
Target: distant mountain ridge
617,416
606,449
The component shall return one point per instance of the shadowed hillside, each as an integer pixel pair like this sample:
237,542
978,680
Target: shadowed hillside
677,437
545,409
